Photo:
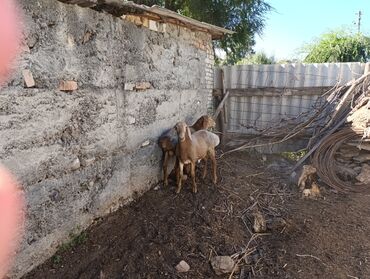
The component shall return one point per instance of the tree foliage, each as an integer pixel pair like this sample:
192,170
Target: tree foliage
245,17
257,58
338,46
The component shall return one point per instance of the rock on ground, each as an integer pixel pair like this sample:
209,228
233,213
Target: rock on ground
222,264
182,267
364,175
259,225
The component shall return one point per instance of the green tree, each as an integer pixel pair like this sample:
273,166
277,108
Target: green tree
288,61
338,46
174,5
245,17
257,58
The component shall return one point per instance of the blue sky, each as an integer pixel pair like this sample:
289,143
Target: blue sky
296,22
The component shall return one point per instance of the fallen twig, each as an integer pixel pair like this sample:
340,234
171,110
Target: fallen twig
311,256
246,252
254,174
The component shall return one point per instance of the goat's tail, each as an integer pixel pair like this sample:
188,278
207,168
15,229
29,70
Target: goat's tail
215,139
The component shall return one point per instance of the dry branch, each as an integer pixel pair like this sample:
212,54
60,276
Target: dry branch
222,103
243,254
311,256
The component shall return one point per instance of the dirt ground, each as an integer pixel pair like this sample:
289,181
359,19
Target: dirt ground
306,238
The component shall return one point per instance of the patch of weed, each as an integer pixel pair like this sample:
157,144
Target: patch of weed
75,240
294,156
56,259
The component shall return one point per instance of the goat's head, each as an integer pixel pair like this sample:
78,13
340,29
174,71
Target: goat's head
165,143
204,122
182,129
208,122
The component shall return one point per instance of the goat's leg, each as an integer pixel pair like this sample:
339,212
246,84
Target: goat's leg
212,155
165,170
193,177
205,167
176,167
186,170
302,182
177,170
179,177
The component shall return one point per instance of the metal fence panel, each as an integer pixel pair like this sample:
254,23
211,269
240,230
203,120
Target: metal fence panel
251,113
266,95
295,75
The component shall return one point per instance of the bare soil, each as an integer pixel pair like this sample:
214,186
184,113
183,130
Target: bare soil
323,238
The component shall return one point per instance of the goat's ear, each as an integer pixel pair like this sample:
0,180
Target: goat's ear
202,119
188,132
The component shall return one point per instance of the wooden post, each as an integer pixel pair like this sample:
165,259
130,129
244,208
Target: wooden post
222,127
222,111
367,68
221,105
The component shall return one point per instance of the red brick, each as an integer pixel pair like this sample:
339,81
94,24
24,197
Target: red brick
68,85
143,85
28,79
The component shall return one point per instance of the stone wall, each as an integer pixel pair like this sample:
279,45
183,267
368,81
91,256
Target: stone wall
80,155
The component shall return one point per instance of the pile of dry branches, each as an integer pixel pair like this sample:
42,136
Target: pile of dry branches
346,119
339,116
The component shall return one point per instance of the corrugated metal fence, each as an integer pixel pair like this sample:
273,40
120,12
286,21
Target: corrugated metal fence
263,95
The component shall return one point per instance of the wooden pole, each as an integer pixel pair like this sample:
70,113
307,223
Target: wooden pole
221,105
222,110
367,68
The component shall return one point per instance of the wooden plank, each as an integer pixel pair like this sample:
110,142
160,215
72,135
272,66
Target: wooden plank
220,109
247,136
222,126
273,92
220,106
367,68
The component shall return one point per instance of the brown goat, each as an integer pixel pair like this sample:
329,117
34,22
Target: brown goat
203,123
168,142
194,147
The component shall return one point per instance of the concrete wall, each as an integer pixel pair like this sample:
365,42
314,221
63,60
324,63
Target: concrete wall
82,154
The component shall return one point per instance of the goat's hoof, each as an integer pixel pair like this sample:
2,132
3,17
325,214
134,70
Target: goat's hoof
214,182
195,189
178,191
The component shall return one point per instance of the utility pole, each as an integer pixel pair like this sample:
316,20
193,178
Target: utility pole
359,21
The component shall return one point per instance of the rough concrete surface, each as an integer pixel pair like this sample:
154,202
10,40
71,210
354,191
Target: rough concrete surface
80,154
